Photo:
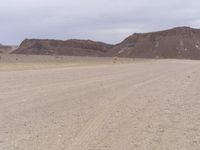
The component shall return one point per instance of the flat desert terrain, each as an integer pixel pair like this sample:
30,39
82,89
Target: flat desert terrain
99,104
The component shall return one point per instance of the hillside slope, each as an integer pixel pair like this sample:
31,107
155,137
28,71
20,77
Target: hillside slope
180,42
58,47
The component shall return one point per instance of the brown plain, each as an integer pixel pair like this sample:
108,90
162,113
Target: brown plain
84,103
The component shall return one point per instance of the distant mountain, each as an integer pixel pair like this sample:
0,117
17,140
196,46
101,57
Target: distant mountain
1,45
58,47
5,48
180,42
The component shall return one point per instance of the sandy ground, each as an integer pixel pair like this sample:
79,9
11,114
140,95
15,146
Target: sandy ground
150,105
24,62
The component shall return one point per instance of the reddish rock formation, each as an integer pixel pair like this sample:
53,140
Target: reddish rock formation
58,47
180,42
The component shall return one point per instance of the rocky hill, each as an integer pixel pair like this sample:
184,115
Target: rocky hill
180,42
58,47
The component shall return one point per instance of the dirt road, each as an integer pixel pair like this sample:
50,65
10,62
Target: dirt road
151,105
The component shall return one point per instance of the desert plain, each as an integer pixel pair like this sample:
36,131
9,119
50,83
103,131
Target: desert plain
88,103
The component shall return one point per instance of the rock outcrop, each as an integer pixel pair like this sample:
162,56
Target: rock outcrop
180,42
58,47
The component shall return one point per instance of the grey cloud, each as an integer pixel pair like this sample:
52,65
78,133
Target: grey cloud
106,20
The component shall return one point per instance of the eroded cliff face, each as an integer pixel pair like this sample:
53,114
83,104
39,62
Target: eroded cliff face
181,42
58,47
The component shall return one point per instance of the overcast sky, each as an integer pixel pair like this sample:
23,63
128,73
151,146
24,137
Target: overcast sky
102,20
